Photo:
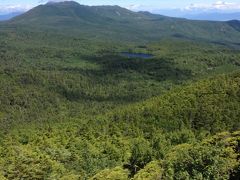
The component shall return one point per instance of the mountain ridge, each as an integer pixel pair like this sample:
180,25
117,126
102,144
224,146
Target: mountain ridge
116,21
214,16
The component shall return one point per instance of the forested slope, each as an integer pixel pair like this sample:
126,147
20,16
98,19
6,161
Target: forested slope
212,158
130,138
210,105
114,22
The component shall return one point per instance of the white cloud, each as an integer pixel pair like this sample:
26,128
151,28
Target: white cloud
14,8
133,7
9,8
52,1
218,5
139,7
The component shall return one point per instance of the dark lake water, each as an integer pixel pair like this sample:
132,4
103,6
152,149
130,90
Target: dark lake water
136,55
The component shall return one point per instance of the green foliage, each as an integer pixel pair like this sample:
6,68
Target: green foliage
210,159
151,171
209,105
116,173
27,164
130,138
141,154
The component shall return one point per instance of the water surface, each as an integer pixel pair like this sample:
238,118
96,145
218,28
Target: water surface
136,55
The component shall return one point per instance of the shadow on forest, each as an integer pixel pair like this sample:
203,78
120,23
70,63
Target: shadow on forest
154,68
114,69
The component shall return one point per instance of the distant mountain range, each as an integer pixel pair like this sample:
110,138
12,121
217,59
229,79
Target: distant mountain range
8,16
192,14
211,15
115,22
217,16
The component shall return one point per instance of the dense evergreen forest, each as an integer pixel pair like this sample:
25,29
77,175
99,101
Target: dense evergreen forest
73,107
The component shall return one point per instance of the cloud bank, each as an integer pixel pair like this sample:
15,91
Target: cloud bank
52,1
4,9
10,8
218,5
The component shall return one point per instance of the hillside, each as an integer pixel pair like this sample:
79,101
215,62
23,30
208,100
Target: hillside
102,21
131,137
209,105
38,69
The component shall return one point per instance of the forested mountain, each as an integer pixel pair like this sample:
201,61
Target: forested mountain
74,105
120,22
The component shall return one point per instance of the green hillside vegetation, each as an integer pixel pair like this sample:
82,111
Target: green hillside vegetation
40,76
71,17
130,138
73,107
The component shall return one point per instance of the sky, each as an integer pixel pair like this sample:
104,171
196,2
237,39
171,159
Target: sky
7,6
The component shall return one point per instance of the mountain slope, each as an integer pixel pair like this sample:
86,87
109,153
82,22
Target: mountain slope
235,24
164,128
211,105
119,22
73,12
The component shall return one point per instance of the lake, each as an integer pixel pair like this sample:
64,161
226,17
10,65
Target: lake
136,55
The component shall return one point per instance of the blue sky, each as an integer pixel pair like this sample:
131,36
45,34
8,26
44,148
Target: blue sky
150,5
